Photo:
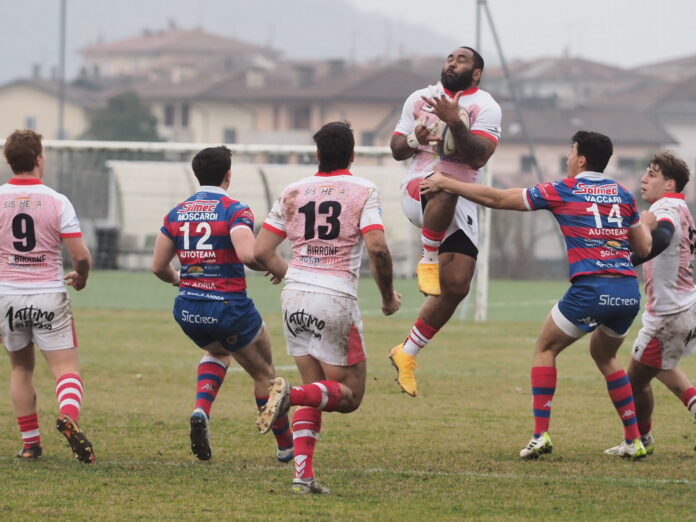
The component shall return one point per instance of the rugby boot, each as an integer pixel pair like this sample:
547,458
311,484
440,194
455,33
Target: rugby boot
405,365
428,278
33,452
633,450
200,437
305,486
540,445
78,441
285,455
278,403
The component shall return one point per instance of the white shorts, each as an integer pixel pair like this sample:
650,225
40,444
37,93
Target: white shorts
45,319
665,339
327,327
465,214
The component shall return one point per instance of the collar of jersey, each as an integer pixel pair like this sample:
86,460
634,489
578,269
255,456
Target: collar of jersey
212,188
675,195
592,176
25,181
451,94
339,172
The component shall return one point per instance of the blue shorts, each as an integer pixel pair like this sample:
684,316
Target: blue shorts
233,323
592,301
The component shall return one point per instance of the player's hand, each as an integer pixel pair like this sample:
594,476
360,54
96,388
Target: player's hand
649,219
391,305
432,183
77,281
274,279
445,108
424,134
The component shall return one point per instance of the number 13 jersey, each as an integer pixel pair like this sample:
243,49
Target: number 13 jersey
324,217
33,220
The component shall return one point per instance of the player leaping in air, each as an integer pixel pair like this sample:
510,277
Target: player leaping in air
601,226
448,223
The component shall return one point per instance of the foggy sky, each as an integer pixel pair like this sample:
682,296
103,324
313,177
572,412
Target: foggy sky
617,32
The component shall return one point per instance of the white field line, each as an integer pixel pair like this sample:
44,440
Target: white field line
494,304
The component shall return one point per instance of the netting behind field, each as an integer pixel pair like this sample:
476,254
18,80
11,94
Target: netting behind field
121,192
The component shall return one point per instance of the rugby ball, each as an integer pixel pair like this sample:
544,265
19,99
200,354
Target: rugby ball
447,145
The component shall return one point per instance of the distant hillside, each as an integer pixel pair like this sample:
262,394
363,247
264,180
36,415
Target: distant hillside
300,29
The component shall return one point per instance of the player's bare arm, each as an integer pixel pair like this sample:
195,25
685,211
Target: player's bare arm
661,232
507,199
161,260
640,239
382,272
401,150
476,150
265,253
243,242
81,262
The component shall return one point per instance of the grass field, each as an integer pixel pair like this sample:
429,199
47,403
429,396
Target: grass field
449,454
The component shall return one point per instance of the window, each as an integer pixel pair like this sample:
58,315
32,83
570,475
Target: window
299,117
184,115
526,164
30,122
229,136
368,138
169,115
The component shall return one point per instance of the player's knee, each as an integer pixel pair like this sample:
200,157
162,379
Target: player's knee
456,288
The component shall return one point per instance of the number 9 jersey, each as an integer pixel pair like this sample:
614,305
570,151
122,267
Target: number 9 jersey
595,215
200,229
324,217
33,220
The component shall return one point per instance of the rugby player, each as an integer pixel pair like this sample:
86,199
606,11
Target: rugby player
669,319
327,218
35,221
212,236
599,221
449,223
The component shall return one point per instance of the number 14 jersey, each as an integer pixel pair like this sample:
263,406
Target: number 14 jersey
595,215
324,217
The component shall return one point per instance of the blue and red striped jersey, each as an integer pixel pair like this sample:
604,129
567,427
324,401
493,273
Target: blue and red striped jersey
595,215
200,229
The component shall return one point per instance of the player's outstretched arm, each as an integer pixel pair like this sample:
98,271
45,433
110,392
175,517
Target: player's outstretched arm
243,242
265,252
161,259
382,271
81,262
508,199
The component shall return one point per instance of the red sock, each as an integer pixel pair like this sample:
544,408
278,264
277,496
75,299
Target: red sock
431,242
322,395
306,425
211,373
29,428
689,399
621,394
543,388
418,337
69,394
280,428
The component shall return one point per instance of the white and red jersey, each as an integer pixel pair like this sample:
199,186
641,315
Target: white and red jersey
33,220
485,118
324,217
669,282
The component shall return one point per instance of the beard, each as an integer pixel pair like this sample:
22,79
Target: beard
458,83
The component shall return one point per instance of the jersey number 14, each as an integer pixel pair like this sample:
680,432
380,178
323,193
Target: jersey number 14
613,217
